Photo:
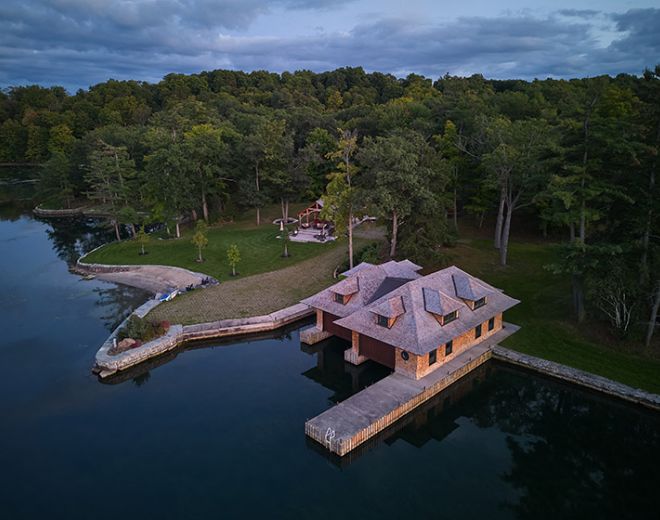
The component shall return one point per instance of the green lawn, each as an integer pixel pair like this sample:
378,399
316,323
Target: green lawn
261,251
548,329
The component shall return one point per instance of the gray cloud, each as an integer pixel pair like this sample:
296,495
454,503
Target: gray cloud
80,42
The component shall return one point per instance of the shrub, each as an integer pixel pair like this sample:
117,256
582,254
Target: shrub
142,330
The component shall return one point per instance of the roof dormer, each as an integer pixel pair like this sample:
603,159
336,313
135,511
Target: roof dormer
443,307
388,311
344,290
470,291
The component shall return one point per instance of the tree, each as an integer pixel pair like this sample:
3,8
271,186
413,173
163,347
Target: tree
453,163
110,179
143,239
396,176
200,239
55,183
204,149
168,187
515,163
264,149
341,198
233,257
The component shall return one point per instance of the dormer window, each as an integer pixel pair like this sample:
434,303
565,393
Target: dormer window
340,298
448,318
383,321
479,303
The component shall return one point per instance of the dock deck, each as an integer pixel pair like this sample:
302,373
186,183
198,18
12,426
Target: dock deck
355,420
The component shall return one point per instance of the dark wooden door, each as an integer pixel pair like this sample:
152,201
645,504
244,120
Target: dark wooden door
329,325
377,351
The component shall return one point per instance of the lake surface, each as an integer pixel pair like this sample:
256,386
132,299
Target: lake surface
216,431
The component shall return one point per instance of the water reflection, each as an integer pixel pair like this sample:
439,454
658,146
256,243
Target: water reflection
73,237
333,373
573,453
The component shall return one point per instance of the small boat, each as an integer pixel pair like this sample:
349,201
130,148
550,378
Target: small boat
169,296
89,277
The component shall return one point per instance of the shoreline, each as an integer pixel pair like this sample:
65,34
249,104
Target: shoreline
156,279
107,364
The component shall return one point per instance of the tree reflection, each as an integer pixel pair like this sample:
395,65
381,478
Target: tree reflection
574,454
73,237
117,302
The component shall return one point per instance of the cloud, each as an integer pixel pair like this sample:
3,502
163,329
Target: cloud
76,43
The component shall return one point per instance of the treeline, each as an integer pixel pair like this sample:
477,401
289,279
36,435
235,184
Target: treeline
577,159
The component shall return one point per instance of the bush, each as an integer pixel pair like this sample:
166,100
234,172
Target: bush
142,330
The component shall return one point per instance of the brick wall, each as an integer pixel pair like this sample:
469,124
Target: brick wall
418,366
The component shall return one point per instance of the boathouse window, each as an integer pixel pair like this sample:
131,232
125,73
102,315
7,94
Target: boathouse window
339,298
480,302
433,356
477,332
491,324
449,346
448,318
383,321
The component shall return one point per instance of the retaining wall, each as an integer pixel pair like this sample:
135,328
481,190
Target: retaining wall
107,364
573,375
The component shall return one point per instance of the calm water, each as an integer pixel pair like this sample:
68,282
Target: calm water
216,431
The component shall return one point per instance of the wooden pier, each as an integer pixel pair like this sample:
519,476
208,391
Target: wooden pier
367,413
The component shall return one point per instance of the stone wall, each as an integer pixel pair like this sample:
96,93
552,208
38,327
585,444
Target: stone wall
107,364
573,375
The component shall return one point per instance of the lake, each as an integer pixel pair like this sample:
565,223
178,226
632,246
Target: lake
217,430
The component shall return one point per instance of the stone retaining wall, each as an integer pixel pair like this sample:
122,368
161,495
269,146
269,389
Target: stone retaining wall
573,375
43,212
107,364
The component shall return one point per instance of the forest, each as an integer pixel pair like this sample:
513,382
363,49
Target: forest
574,161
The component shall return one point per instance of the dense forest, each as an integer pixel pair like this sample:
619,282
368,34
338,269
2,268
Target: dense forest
572,159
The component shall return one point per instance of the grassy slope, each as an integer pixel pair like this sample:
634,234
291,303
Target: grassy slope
544,313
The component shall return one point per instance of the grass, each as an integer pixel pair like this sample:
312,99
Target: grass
255,295
548,329
260,249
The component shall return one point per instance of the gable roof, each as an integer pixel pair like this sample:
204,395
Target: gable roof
416,329
373,282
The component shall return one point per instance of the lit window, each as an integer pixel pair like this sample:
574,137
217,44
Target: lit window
339,298
448,318
480,303
477,332
449,347
383,321
433,356
491,324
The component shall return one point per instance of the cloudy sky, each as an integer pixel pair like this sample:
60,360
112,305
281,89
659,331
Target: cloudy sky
77,43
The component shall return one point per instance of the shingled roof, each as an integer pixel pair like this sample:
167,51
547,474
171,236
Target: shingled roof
373,283
416,329
469,288
390,308
439,303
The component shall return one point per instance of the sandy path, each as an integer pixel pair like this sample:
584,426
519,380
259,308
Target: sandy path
154,278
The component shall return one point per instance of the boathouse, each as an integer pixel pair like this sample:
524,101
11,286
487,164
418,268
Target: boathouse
410,323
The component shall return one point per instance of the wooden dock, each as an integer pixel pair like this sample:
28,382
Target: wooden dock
367,413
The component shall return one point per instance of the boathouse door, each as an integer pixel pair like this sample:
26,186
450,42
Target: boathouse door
377,351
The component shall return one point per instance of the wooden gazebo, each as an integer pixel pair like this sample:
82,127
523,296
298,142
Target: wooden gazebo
310,217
